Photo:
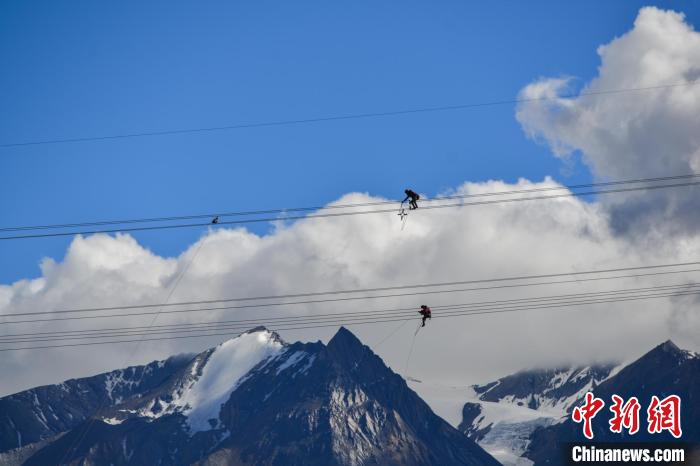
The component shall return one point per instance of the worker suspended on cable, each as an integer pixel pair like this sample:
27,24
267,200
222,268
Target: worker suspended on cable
426,313
413,196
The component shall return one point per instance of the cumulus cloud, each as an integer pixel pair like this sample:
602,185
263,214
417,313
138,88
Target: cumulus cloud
639,134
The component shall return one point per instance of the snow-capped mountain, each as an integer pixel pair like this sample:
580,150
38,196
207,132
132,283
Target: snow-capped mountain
251,400
44,412
663,371
524,417
551,390
502,415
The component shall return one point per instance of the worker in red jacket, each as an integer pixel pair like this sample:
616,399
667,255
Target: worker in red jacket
426,313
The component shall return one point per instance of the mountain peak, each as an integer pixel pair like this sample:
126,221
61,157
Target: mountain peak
274,336
347,349
344,337
259,328
666,354
667,349
670,347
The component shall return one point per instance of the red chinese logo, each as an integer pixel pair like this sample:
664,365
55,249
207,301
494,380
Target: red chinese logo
662,415
625,415
665,415
587,412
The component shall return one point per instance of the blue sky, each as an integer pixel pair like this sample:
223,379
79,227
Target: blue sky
98,69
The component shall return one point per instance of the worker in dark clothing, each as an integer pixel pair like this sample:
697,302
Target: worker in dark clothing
215,221
413,196
426,313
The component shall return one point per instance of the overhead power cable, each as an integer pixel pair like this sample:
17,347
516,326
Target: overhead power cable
418,293
366,290
284,211
352,116
315,318
363,321
352,213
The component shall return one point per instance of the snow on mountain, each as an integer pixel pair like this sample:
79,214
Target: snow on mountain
221,374
664,370
502,429
43,412
251,400
505,416
540,393
502,415
205,383
548,390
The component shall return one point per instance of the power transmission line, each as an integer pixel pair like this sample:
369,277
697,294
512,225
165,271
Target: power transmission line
353,116
315,318
363,290
344,206
420,293
363,321
344,214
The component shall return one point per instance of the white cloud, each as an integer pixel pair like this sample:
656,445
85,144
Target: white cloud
637,134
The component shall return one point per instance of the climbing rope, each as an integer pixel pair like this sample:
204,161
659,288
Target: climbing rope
410,351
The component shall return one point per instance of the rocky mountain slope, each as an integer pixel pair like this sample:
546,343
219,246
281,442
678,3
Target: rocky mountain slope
525,417
663,371
253,400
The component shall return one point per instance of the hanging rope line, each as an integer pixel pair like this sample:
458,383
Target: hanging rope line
379,344
386,338
410,351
